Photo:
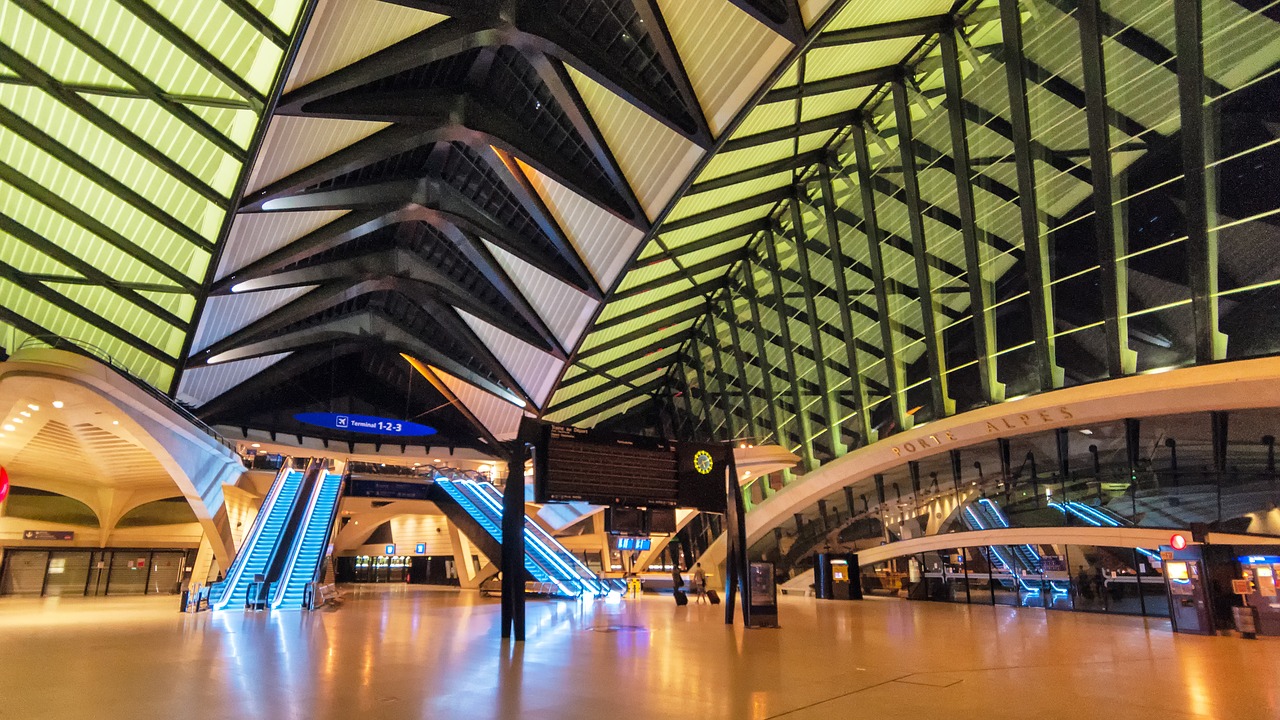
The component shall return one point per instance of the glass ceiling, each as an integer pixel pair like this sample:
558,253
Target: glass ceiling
125,129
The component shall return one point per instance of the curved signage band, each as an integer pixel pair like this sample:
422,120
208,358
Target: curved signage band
1235,385
370,424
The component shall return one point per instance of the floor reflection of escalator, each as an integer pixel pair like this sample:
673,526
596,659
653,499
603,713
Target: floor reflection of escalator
546,560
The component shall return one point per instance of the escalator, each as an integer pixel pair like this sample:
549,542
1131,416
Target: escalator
255,555
305,561
1098,517
545,560
1017,560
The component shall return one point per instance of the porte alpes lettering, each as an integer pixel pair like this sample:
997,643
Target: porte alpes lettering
1021,420
999,425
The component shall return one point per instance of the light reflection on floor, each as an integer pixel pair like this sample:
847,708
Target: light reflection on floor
395,651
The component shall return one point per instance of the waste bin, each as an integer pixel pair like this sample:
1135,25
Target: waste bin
835,577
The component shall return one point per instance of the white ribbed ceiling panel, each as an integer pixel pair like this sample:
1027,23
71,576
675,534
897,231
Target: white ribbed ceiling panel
225,314
201,384
292,143
499,417
563,308
534,369
655,159
726,52
343,31
810,10
603,241
255,235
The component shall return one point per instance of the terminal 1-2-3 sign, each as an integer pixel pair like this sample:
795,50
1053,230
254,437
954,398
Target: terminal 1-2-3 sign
370,424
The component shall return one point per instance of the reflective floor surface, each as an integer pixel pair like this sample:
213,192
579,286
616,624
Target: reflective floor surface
410,652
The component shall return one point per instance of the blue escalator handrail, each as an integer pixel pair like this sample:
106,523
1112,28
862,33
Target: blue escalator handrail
556,552
255,530
291,569
542,554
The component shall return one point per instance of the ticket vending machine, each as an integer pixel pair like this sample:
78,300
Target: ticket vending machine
1259,573
1184,575
835,577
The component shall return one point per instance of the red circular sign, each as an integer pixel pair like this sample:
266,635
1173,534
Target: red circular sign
4,484
1178,541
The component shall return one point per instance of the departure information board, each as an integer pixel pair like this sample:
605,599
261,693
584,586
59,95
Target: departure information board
607,468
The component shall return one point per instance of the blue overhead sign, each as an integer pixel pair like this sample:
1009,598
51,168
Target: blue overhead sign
365,424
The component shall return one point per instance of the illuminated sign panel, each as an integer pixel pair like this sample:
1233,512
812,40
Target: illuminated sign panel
370,424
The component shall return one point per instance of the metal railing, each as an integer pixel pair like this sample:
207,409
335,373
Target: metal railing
88,349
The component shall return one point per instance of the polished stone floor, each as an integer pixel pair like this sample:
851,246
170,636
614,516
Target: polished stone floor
399,652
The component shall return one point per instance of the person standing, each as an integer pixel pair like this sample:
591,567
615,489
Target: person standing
700,582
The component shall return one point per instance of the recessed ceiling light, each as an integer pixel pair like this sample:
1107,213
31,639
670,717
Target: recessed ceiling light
115,422
256,445
436,460
57,403
1086,431
33,407
9,428
24,413
18,420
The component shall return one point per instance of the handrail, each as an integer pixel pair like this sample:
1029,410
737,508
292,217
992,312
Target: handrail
295,549
333,519
88,349
255,535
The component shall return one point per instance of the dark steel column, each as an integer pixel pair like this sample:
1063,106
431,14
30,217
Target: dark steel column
942,405
842,298
703,389
893,366
980,291
740,359
803,425
1035,251
1107,221
513,549
830,408
726,399
1199,189
762,359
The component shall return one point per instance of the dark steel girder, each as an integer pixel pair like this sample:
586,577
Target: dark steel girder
109,125
826,397
886,31
194,50
784,19
489,28
401,262
791,132
768,197
109,182
66,304
624,397
689,272
99,91
784,314
604,371
788,164
73,34
464,117
90,271
74,213
434,197
745,230
363,326
642,332
702,291
840,83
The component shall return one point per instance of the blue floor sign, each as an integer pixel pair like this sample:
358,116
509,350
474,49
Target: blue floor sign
365,424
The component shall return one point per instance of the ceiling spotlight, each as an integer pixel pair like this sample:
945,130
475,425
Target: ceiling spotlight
57,404
9,428
33,407
24,413
115,422
18,420
436,460
1086,431
256,445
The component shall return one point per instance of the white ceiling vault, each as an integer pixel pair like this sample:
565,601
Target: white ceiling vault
468,185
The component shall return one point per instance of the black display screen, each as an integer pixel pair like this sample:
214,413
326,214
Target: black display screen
618,470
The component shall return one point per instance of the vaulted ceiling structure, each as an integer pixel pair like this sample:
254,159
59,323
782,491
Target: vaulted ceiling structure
465,212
